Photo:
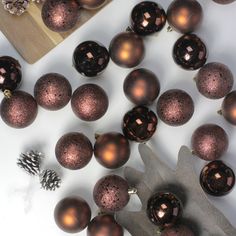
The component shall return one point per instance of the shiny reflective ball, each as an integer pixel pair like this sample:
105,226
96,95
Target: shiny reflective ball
223,1
91,4
178,230
229,108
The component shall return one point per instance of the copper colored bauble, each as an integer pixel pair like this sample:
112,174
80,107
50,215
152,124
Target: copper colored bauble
72,214
184,16
111,193
60,15
214,80
91,4
147,18
74,151
52,91
223,1
19,110
139,124
177,230
89,102
90,58
175,107
190,52
141,87
209,142
112,150
229,108
217,179
127,49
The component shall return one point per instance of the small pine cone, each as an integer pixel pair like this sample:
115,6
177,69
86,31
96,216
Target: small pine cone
15,7
50,180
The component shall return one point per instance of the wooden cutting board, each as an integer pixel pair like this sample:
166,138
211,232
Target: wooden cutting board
28,34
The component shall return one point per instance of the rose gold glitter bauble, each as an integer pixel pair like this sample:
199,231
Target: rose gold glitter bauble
91,4
178,230
229,108
223,1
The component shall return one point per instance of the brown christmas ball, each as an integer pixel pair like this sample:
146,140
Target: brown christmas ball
91,4
89,102
127,49
229,108
111,193
209,142
74,151
20,110
52,91
185,16
175,107
72,214
223,1
178,230
112,150
141,87
60,15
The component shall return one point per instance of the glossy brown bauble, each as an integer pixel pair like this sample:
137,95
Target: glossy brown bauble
175,107
141,87
111,193
139,124
112,150
72,214
60,15
91,4
89,102
229,108
224,1
104,225
214,80
74,151
20,110
164,209
178,230
209,142
184,16
217,179
190,52
127,49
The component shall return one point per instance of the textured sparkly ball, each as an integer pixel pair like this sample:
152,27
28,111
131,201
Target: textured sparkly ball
111,193
20,110
229,108
72,214
141,87
209,142
89,102
139,124
184,16
177,230
147,18
175,107
91,4
52,91
90,58
217,179
74,151
127,49
223,1
190,52
60,15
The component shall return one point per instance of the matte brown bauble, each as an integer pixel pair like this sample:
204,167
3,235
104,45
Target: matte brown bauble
91,4
112,150
89,102
224,1
229,108
214,80
178,230
111,193
60,15
72,214
185,16
52,91
175,107
20,110
74,151
141,87
127,49
209,142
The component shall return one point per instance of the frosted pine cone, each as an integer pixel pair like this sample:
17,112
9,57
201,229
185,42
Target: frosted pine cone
50,180
16,7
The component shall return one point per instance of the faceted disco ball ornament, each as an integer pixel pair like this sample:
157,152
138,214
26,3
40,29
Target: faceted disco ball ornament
229,108
91,4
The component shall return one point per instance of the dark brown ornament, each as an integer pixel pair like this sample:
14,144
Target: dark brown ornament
74,151
185,16
141,87
190,52
175,107
60,15
111,193
223,1
127,49
52,91
214,80
139,124
229,108
178,230
20,110
91,4
217,179
209,142
72,214
89,102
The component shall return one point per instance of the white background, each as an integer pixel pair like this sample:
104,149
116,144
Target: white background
27,210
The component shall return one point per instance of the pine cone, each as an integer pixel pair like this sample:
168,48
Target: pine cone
15,7
50,180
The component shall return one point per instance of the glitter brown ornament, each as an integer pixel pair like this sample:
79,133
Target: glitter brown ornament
229,108
223,1
91,4
74,151
178,230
